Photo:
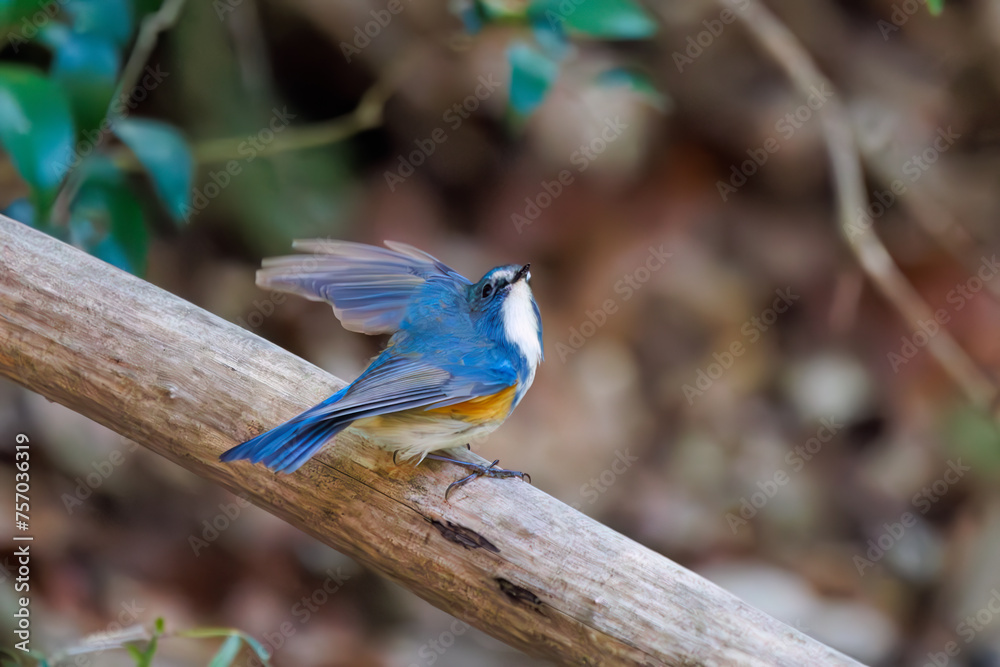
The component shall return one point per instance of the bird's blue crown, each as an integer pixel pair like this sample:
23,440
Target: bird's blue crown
505,311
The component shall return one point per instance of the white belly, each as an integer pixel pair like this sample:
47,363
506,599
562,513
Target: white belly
413,436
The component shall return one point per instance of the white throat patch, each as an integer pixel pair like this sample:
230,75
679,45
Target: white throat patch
521,324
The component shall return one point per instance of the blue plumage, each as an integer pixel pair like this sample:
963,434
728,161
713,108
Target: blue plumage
470,348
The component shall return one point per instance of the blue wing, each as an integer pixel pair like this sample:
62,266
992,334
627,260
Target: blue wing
392,383
370,288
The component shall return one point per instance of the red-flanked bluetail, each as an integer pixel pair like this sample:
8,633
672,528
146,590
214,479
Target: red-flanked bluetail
460,359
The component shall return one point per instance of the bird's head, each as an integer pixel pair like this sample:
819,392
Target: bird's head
505,310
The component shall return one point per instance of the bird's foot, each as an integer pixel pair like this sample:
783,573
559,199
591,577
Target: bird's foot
479,470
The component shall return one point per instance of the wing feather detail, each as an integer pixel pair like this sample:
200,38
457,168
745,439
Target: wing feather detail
370,288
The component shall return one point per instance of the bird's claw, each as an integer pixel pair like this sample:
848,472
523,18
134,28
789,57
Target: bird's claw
485,471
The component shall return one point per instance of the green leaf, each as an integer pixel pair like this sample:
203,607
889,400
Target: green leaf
551,36
935,7
230,649
36,129
86,65
144,657
120,236
258,648
164,153
201,633
111,19
532,74
149,653
16,24
602,19
12,11
111,251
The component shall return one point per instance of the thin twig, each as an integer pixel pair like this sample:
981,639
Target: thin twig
367,115
149,34
848,182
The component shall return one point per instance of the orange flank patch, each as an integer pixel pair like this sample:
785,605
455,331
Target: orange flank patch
483,408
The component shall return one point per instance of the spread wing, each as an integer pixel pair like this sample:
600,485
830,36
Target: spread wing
401,383
370,288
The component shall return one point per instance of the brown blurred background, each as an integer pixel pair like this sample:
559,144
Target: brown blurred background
720,381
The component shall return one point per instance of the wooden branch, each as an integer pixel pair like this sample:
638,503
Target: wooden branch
501,555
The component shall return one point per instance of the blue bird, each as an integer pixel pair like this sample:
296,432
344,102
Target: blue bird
460,359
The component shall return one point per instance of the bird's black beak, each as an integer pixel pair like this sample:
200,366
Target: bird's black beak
523,272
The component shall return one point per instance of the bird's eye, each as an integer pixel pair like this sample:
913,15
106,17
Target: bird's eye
487,290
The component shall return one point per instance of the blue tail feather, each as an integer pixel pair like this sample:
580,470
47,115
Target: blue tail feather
286,447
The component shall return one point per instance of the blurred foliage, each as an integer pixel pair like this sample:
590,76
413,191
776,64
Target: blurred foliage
141,645
59,123
56,123
534,69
